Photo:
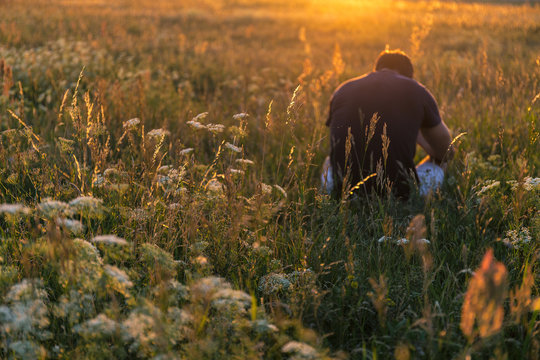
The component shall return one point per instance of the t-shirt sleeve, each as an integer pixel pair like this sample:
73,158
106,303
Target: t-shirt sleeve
431,111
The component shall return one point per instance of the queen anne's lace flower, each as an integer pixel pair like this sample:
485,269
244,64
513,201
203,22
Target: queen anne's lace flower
118,274
131,124
262,326
109,240
186,151
244,162
75,226
236,171
215,128
274,283
201,116
517,238
100,326
229,299
232,147
158,133
215,186
196,125
207,286
27,289
14,209
300,350
488,185
240,116
266,189
50,208
87,205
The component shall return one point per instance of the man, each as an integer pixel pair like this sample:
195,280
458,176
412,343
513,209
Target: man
375,122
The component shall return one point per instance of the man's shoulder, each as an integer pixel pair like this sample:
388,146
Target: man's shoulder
374,77
351,83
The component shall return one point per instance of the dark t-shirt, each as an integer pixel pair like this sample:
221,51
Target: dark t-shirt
400,103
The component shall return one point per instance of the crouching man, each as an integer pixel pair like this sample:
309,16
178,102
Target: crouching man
375,122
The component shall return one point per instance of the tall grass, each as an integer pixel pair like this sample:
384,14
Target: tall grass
160,191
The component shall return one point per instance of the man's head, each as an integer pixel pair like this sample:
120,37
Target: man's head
395,60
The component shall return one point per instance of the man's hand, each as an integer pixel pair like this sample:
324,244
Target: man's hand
436,142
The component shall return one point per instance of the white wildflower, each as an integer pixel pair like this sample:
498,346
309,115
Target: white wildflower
27,317
266,189
186,151
164,169
300,350
174,206
153,255
111,172
215,128
99,326
75,226
274,283
87,205
51,208
207,286
229,299
281,190
236,171
215,186
14,209
196,125
26,290
240,116
98,181
402,241
177,291
6,315
488,185
86,251
27,350
513,183
164,180
158,133
232,147
177,175
75,307
517,238
531,184
131,124
244,162
140,328
201,116
118,274
180,316
262,326
109,240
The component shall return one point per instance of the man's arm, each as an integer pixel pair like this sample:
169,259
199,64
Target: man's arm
436,142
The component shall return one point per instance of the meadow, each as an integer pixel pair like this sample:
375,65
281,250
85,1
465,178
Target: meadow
160,194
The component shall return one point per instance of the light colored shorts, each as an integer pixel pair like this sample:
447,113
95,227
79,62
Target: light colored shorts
430,175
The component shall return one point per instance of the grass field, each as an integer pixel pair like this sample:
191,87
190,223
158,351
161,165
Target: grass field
159,183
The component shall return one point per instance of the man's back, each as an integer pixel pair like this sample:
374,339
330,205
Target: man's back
402,106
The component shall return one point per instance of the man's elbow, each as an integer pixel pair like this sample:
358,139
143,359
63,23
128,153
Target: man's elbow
440,140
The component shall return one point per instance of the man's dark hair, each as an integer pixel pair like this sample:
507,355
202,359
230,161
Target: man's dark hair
395,60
